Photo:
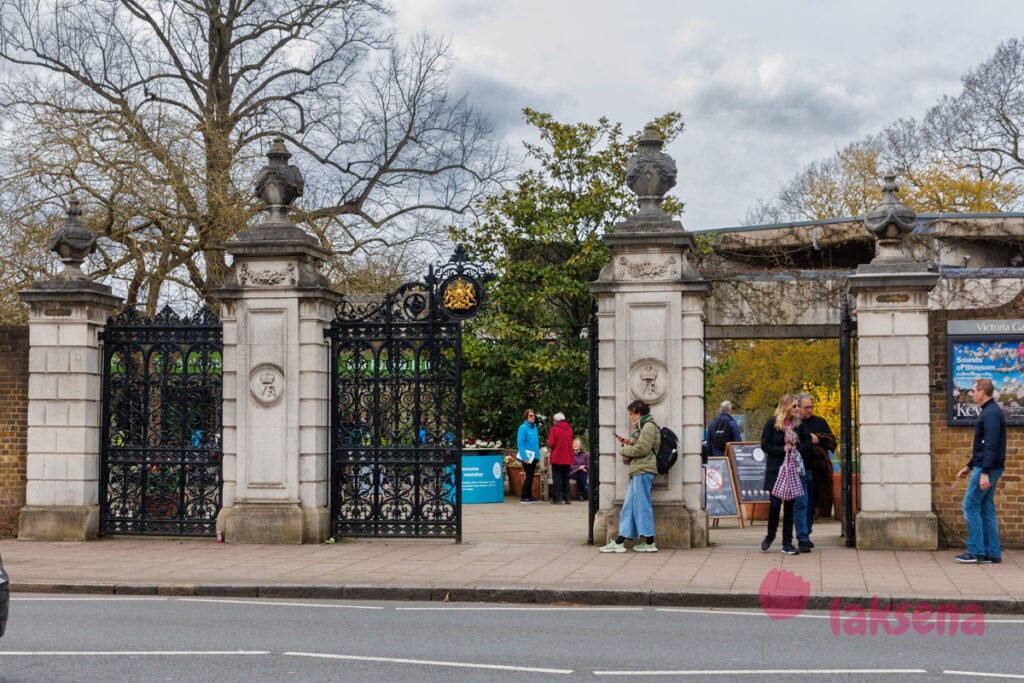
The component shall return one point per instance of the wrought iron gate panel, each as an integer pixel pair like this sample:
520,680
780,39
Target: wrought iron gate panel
396,407
161,429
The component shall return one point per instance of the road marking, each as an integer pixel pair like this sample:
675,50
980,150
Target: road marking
111,598
276,604
982,675
130,653
520,609
726,612
758,672
429,662
738,613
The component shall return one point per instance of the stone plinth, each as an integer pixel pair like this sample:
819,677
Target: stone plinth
651,346
894,409
275,307
65,399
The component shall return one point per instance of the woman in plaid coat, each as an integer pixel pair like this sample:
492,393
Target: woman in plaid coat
783,433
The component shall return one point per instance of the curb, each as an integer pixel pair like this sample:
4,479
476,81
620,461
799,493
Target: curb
512,595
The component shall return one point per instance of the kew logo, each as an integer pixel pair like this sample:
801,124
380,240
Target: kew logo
784,595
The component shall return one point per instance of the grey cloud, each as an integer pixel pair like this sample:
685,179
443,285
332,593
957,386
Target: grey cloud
502,102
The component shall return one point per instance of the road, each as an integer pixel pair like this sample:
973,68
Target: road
106,638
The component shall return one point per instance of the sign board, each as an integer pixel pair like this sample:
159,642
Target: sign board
750,462
720,498
990,349
483,478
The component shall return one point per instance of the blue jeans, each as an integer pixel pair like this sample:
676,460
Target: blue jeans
803,510
637,518
582,484
980,513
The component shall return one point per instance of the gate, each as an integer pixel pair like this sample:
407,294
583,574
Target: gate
161,429
396,406
848,422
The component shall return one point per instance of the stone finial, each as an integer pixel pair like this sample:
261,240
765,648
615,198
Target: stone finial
73,242
890,221
651,173
278,184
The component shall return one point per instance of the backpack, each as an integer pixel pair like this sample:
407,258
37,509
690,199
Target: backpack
720,434
668,452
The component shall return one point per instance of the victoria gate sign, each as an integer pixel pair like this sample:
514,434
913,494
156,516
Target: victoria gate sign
396,404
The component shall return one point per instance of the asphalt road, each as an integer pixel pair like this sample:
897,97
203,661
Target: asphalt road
105,638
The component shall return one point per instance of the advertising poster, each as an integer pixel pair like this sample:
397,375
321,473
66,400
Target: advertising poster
998,359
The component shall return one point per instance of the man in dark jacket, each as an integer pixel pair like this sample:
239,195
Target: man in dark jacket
988,459
725,426
818,479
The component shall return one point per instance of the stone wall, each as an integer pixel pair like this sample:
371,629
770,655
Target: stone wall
951,446
13,424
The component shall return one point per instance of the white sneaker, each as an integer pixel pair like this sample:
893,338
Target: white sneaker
644,547
614,547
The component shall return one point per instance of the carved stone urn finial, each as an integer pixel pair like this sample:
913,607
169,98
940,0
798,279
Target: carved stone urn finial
73,242
278,184
651,173
890,221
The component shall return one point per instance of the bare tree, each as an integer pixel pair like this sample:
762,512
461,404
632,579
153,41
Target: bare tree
980,129
160,111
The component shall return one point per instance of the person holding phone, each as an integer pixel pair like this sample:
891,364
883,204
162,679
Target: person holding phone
528,453
639,453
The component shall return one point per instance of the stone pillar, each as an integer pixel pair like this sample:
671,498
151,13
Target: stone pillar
651,346
275,307
891,295
65,394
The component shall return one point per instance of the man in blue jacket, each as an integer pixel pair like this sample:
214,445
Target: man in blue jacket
988,459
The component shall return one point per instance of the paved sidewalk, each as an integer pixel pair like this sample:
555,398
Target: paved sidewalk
512,553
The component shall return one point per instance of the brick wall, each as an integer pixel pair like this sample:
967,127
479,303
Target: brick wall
951,446
13,424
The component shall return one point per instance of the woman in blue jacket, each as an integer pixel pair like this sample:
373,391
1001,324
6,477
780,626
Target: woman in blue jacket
529,453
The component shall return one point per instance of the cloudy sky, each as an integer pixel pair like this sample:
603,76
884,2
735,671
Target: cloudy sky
764,86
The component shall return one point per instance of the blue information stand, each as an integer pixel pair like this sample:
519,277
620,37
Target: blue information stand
483,477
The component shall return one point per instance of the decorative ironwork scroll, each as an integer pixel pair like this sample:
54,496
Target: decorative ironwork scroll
161,432
396,402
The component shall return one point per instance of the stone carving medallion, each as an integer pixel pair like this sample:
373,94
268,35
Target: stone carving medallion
266,384
648,380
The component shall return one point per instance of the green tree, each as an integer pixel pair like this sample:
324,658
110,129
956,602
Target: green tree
542,237
754,373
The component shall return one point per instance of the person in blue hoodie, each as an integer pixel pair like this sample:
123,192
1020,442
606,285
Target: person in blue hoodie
988,459
529,453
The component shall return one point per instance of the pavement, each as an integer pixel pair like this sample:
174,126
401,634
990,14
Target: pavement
521,554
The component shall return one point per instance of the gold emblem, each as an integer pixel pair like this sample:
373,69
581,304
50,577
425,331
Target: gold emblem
459,296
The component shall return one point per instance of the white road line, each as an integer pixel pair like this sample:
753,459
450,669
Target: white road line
738,613
277,604
130,653
842,615
106,598
428,662
523,608
758,672
981,675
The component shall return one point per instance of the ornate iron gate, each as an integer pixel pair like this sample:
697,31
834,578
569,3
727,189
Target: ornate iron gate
161,432
396,406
